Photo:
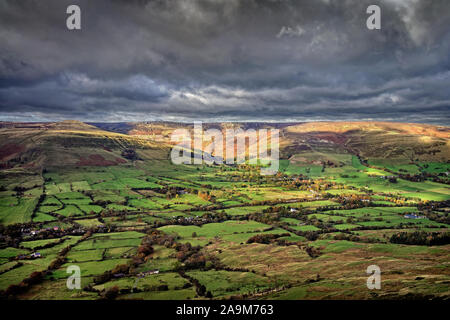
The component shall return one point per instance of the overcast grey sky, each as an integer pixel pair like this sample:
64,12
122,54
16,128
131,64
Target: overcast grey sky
216,60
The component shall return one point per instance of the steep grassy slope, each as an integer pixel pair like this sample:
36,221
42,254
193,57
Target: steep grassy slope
404,142
68,143
384,140
34,146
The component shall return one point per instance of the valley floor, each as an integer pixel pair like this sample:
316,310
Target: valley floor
150,230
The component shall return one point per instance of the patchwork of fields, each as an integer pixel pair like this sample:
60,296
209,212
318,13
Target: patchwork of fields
147,229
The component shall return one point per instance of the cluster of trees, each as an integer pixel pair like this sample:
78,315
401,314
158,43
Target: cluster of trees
421,238
310,235
110,293
144,250
206,195
265,217
279,209
171,193
312,251
130,154
266,238
159,238
191,256
12,235
19,190
216,217
438,217
348,237
436,211
392,179
443,180
353,201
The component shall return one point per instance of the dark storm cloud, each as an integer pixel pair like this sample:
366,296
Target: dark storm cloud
225,60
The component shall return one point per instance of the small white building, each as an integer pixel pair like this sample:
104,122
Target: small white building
147,273
36,255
